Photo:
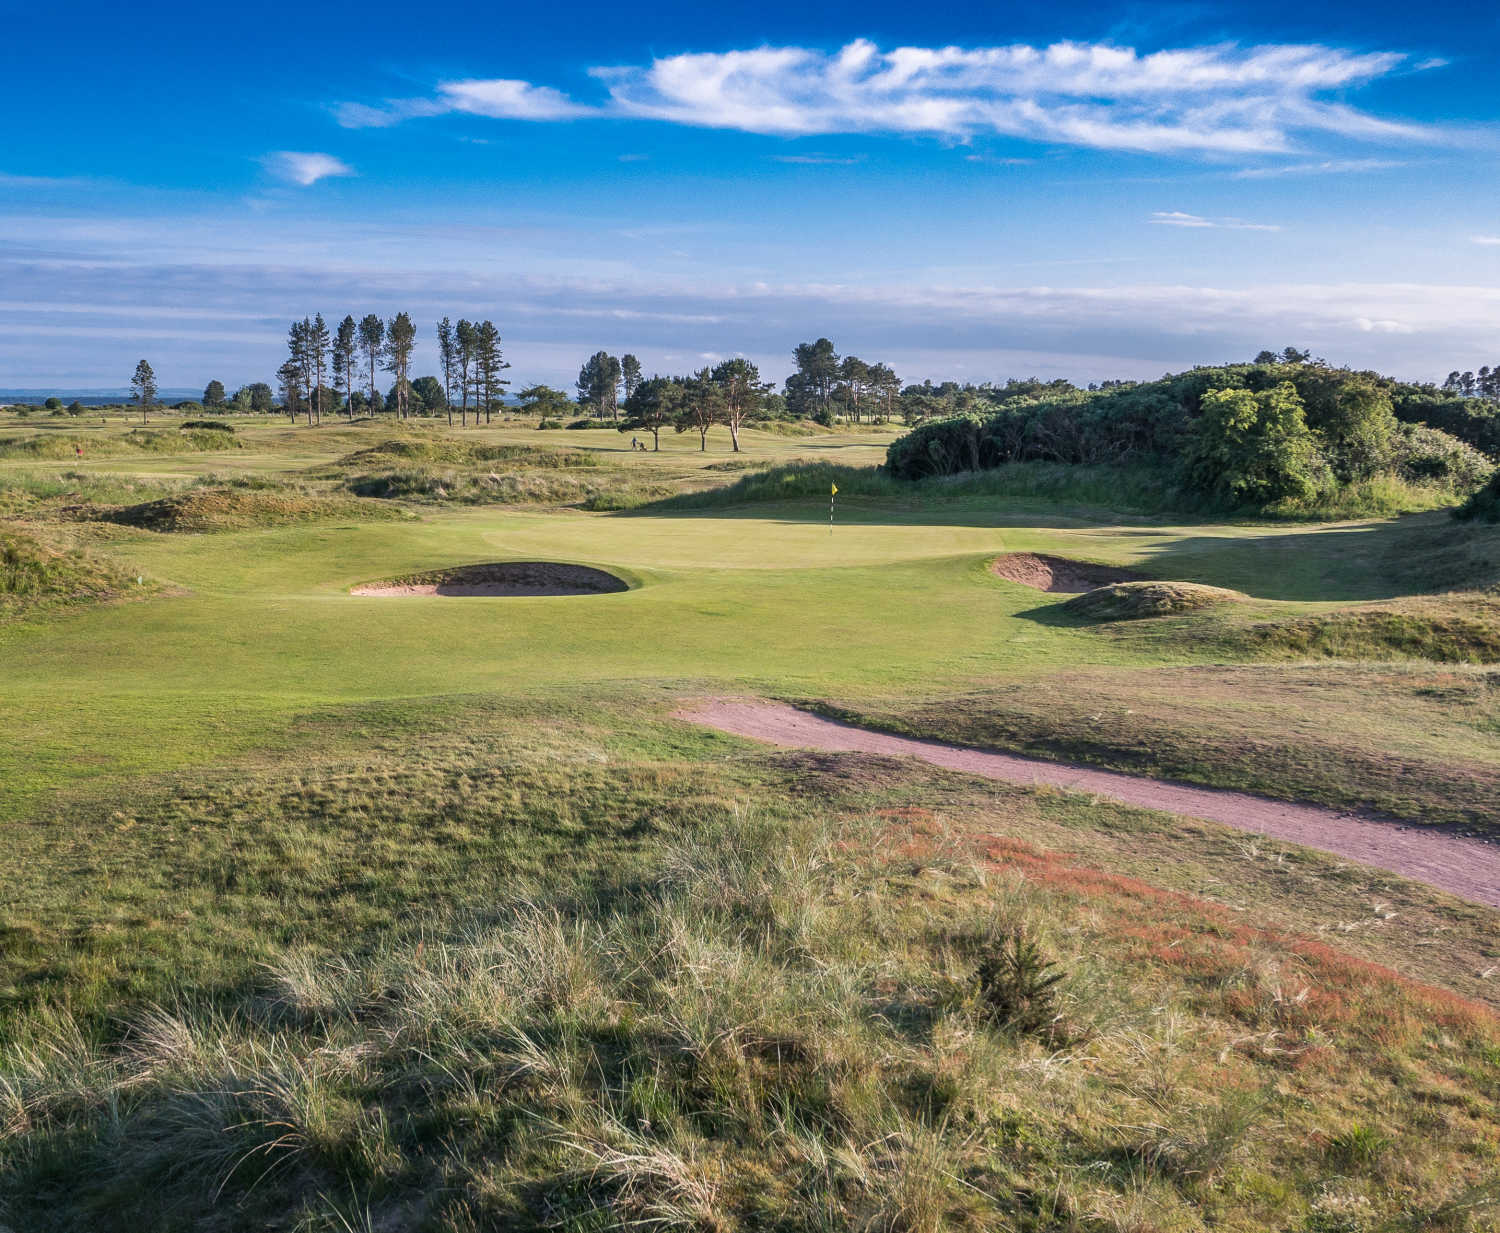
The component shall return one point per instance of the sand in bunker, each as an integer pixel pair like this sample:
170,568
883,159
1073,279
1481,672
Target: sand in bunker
1058,574
517,578
1467,867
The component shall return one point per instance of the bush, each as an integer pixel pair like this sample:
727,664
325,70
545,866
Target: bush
942,447
1484,505
1255,449
207,425
1423,455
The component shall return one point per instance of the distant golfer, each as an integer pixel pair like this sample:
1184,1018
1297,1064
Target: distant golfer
77,449
634,445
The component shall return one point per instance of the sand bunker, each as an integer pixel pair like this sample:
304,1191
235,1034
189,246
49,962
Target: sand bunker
1058,574
501,578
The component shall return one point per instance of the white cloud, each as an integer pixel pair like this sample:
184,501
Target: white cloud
1384,327
1176,218
1220,99
499,98
814,160
1485,239
1331,166
305,168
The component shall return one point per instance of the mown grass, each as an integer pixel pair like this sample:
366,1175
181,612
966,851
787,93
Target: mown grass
1122,489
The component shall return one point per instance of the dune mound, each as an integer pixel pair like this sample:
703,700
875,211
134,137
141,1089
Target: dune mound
501,578
1058,574
238,508
1125,601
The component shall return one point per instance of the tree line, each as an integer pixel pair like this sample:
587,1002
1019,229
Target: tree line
1483,384
470,353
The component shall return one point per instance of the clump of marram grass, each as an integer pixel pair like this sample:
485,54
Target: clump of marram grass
777,1030
1128,601
36,571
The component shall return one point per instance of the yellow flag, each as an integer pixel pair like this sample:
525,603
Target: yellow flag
835,491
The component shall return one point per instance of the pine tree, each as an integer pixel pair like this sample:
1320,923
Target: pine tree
448,354
490,363
317,343
400,338
345,350
630,371
143,387
372,344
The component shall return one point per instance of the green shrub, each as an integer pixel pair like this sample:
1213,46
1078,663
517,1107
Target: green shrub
207,425
1484,505
1254,449
1018,984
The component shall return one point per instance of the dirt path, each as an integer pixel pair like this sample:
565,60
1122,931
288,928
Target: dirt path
1469,868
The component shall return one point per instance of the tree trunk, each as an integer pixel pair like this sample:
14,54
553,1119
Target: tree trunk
656,440
703,439
734,435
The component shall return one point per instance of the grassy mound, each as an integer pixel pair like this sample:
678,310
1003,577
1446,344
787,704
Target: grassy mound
45,446
1451,629
445,451
239,508
33,572
1126,601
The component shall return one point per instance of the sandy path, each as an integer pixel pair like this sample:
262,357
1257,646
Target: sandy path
1469,868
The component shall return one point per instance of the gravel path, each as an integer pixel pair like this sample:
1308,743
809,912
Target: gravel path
1469,868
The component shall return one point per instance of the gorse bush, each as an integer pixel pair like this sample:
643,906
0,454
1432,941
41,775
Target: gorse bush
1288,438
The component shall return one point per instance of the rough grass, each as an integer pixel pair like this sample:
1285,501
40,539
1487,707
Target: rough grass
36,572
1126,601
446,450
137,441
1127,490
237,507
784,1026
1461,629
1420,743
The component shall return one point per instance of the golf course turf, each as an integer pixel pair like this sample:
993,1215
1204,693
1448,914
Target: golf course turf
328,911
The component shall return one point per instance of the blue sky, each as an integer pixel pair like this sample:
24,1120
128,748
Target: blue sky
971,190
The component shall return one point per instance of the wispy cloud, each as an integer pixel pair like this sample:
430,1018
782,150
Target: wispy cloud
42,182
1328,166
499,98
1221,99
815,160
1176,218
1489,240
304,168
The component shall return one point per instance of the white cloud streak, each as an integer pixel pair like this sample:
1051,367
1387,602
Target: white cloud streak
1176,218
1221,100
304,168
1487,240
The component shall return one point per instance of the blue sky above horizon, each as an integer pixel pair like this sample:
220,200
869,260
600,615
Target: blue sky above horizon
977,192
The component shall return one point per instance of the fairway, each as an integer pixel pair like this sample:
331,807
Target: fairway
236,775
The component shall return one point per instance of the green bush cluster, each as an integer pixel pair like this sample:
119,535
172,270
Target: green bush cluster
1264,435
